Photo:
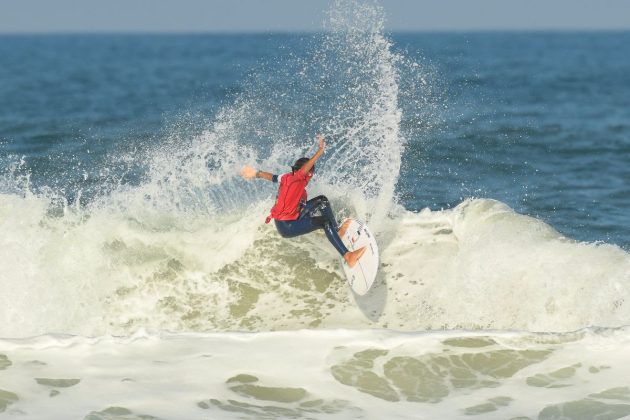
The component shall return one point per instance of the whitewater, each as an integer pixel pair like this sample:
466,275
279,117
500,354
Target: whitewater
170,298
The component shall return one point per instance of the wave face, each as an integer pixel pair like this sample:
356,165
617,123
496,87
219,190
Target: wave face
185,249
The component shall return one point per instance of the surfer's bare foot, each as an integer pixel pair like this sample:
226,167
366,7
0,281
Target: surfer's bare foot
352,258
344,227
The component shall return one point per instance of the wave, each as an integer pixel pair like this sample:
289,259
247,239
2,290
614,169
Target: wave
479,265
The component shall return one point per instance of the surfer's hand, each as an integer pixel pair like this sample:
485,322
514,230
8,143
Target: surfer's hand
322,143
248,172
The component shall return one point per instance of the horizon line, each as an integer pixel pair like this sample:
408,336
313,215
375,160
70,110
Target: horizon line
311,32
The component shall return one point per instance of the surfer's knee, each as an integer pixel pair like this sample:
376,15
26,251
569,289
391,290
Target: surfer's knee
322,200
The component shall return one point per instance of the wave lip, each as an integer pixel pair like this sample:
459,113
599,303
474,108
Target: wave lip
481,265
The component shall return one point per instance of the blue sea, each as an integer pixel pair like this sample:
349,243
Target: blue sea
139,280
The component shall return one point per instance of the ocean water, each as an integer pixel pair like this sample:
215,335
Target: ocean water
140,281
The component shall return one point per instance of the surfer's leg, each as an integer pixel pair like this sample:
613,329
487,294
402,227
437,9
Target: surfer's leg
322,202
319,207
334,239
327,218
321,214
293,228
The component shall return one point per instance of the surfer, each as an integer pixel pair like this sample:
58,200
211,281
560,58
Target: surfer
294,215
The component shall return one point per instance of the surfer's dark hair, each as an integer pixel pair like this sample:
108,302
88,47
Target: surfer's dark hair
299,163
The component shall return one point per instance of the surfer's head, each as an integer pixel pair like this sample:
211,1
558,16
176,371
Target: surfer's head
301,162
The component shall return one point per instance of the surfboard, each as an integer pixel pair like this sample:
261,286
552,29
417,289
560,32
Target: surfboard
362,275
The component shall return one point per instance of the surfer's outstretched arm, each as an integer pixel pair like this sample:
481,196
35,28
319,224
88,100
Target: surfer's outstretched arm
249,173
311,162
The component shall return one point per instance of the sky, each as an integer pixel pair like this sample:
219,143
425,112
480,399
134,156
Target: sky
69,16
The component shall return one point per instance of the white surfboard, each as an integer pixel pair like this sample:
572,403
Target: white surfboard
362,275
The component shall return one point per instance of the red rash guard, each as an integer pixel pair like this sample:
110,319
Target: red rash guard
291,193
